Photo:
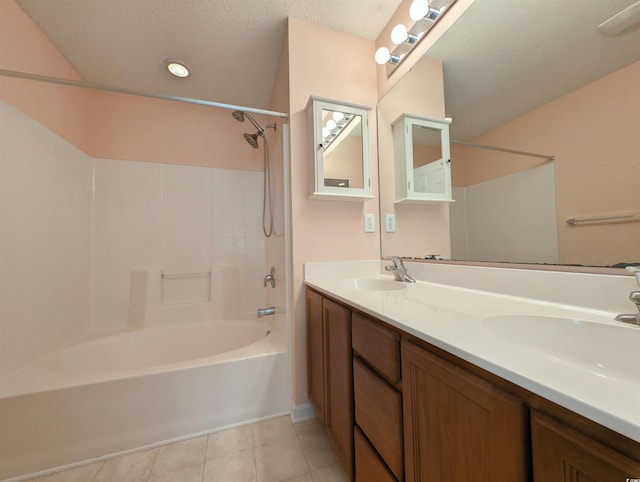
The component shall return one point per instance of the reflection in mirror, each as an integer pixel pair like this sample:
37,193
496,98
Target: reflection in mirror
421,156
535,93
342,149
428,172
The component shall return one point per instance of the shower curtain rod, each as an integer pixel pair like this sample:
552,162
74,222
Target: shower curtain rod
119,90
503,149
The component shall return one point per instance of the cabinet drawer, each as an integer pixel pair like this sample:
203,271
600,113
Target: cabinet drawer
378,345
379,415
369,466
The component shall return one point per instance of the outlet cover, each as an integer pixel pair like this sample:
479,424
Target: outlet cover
369,223
390,223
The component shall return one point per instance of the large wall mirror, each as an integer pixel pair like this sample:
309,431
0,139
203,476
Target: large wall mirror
545,153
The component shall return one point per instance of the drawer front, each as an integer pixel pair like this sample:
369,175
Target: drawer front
369,466
378,408
378,345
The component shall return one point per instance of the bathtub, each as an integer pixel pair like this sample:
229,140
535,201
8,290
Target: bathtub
112,393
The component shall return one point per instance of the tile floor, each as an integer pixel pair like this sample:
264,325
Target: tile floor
271,450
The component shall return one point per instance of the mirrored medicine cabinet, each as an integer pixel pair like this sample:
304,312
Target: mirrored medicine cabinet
339,134
422,160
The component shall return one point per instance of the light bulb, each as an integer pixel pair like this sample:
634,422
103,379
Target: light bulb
419,9
338,116
383,55
325,132
399,34
331,124
177,68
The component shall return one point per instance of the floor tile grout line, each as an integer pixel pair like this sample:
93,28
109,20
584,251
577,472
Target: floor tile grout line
95,477
155,459
304,454
204,458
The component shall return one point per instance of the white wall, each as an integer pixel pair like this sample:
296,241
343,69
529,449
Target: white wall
179,218
511,218
45,207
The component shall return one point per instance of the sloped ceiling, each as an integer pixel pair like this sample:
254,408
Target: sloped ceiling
503,58
232,46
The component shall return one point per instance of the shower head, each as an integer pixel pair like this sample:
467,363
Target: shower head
240,116
252,139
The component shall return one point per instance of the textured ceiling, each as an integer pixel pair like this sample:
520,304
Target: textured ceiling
232,46
503,58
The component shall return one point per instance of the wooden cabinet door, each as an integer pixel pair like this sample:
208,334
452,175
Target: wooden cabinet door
562,455
339,376
315,354
458,427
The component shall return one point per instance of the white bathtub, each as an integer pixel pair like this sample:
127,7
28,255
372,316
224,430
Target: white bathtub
159,346
108,394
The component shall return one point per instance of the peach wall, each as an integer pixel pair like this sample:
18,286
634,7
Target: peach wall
344,162
143,129
23,47
593,132
115,126
325,230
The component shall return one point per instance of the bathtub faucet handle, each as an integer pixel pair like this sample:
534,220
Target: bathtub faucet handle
270,278
266,311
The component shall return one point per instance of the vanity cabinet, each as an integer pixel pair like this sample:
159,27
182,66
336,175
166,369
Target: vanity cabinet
458,426
561,454
407,410
377,394
330,373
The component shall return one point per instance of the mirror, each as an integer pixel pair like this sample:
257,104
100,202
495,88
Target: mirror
558,98
340,150
421,156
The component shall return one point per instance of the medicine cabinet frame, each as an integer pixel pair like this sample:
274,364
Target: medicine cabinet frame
323,186
403,153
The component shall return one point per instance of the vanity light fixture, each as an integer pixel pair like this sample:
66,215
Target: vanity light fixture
423,16
177,68
422,9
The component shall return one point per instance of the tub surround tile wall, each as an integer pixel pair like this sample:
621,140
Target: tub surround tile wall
183,220
45,210
73,228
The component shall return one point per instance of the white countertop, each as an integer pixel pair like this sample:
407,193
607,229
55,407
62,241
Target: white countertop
453,318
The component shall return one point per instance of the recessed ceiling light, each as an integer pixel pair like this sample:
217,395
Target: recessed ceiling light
177,68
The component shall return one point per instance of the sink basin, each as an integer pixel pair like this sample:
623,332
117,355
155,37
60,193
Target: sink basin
609,351
376,284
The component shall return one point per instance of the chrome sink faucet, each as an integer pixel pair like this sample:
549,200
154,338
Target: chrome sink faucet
399,271
635,297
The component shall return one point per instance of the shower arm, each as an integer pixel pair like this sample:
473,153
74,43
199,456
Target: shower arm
253,121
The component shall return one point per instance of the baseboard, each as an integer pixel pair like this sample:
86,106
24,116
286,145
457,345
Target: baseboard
302,412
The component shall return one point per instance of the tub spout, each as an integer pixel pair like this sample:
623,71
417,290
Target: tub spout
266,311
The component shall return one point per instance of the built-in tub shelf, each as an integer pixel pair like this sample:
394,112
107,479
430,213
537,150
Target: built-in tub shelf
185,275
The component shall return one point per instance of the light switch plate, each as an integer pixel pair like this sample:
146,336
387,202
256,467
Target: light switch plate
369,223
390,223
